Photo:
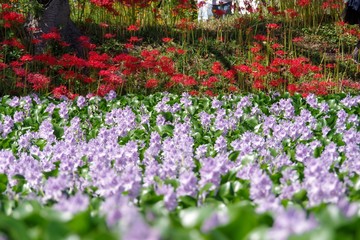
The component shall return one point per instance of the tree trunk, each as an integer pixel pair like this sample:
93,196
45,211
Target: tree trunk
56,15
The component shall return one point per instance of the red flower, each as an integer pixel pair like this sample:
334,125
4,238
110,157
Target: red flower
243,68
260,38
166,39
38,80
151,83
109,35
272,26
292,88
258,84
303,3
60,91
216,68
51,36
133,28
26,58
134,39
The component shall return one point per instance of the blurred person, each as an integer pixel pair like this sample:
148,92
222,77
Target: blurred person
221,8
246,6
204,10
351,16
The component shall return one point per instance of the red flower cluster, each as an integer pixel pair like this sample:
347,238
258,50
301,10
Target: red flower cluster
38,81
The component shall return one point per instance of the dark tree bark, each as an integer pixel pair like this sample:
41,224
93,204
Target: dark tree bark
55,15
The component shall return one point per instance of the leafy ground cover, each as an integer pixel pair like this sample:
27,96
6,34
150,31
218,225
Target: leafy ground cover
170,166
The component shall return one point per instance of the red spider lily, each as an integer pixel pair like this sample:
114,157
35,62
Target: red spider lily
243,68
46,59
20,72
151,83
68,74
68,60
26,58
3,66
133,28
276,46
134,39
233,89
280,53
54,35
210,93
98,57
330,65
166,65
167,40
258,84
274,11
230,75
114,79
180,51
291,13
217,68
139,3
350,84
303,3
260,70
13,42
260,37
183,79
185,24
272,26
15,64
103,25
256,48
202,73
210,82
109,35
38,81
60,91
292,88
297,39
104,89
13,17
85,42
277,82
171,49
194,93
5,6
129,46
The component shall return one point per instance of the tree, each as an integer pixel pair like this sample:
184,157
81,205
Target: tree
55,15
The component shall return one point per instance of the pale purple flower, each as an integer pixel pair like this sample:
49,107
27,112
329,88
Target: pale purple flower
205,119
188,184
216,219
312,100
81,102
18,116
186,100
110,96
73,204
220,145
289,222
14,102
169,194
216,104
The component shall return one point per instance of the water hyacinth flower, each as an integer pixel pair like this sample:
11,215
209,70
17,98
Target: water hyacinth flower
73,204
289,222
216,219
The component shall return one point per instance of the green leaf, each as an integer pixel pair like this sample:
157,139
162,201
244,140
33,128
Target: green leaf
58,131
234,155
3,182
13,228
